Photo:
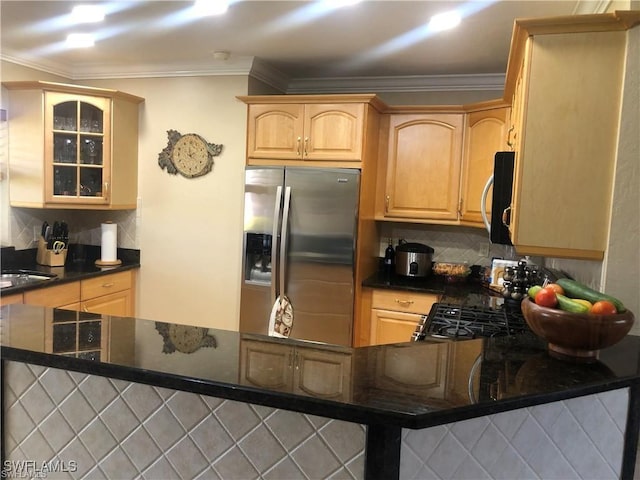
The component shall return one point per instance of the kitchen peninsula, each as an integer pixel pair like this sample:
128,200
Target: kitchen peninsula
173,401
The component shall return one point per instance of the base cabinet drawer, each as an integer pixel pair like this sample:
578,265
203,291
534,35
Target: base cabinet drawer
395,314
104,285
403,301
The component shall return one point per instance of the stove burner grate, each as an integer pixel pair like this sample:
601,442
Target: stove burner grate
468,322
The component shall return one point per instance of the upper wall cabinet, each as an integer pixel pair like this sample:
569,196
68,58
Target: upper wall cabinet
72,147
424,153
290,129
565,80
485,134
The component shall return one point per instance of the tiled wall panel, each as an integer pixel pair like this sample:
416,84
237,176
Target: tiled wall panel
581,438
111,429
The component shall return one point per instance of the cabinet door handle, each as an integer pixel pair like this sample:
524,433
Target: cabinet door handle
106,191
404,303
460,208
291,359
84,307
306,146
386,204
506,216
509,142
299,147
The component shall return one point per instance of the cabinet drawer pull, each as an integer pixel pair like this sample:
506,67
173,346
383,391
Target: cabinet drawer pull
108,285
404,303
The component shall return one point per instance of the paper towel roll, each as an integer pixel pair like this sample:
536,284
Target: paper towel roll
109,242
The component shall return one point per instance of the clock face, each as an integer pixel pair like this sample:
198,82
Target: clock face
190,155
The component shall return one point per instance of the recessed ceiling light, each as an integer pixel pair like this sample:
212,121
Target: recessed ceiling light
87,13
444,21
211,7
342,3
80,40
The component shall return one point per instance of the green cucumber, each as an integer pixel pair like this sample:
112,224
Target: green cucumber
568,305
575,289
533,290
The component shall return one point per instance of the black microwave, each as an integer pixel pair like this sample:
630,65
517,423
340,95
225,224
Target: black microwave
503,168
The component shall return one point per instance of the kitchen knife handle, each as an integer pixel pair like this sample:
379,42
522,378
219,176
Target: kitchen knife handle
274,242
283,239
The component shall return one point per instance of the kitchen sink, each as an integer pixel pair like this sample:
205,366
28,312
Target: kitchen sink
22,278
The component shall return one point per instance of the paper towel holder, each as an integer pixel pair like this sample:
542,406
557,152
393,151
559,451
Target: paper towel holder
108,262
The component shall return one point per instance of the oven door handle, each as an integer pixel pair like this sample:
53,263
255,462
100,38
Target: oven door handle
472,373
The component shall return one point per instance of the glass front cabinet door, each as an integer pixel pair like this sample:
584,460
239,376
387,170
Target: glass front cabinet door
77,149
72,146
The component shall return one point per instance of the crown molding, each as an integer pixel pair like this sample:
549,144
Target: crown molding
232,66
409,83
261,70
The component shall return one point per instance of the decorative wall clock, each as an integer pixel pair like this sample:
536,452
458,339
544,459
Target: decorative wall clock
189,154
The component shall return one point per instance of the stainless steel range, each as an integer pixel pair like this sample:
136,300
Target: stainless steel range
460,322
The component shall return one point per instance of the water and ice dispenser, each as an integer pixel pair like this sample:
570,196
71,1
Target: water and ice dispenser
257,261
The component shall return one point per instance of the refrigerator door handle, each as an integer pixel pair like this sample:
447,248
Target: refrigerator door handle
274,243
283,239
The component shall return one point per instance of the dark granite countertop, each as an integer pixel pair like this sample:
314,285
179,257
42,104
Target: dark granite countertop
80,265
384,385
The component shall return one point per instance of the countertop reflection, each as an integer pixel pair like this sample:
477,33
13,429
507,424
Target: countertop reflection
409,384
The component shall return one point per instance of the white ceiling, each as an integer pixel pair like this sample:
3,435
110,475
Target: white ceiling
285,40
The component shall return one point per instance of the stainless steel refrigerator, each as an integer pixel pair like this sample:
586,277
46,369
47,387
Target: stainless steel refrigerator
299,245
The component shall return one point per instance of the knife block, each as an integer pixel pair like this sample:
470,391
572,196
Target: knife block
49,257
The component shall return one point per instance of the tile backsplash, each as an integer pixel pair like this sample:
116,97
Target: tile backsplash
451,243
84,225
472,245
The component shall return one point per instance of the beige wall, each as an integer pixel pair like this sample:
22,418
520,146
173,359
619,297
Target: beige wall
621,271
190,230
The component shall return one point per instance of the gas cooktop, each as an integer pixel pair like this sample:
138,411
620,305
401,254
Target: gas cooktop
454,321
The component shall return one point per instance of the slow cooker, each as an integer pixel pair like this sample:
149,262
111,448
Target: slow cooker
413,259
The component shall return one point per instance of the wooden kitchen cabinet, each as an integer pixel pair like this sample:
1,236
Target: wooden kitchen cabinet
72,147
111,294
11,299
485,133
313,371
306,128
66,295
565,82
422,180
395,314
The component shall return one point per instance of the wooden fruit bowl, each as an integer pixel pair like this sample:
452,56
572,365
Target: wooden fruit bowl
576,334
